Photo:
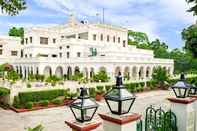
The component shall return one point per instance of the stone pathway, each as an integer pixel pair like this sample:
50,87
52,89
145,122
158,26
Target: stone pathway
53,119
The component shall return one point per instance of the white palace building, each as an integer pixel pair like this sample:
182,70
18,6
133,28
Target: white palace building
63,50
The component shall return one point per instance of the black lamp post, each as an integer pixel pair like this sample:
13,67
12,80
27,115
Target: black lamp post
181,88
119,99
193,90
84,108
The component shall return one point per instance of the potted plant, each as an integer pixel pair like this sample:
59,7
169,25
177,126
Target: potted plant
99,93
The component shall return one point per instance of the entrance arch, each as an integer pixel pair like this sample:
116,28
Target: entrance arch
127,73
47,71
59,72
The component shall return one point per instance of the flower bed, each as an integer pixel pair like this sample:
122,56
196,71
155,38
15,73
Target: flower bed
39,107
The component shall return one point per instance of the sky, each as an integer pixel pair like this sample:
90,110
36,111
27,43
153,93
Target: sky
163,19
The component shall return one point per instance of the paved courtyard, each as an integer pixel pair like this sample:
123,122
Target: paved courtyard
53,119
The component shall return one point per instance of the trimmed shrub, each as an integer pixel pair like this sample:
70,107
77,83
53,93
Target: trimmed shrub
28,85
58,101
36,96
108,88
92,92
72,95
4,91
29,105
100,90
44,103
16,102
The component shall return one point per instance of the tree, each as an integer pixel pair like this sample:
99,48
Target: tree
137,38
190,36
194,7
18,32
101,76
160,75
12,7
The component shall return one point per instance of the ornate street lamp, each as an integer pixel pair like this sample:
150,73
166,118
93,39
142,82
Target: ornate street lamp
119,99
193,90
84,108
181,88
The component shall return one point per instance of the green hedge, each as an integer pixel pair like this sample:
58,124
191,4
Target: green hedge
4,91
36,96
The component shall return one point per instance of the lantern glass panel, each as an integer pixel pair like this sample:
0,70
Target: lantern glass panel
126,94
77,113
89,113
113,105
114,93
126,105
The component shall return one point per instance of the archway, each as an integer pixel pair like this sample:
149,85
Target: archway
102,69
141,73
91,72
148,72
117,70
85,72
134,72
69,73
77,70
47,71
59,72
127,73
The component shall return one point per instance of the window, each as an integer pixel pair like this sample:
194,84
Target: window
118,39
26,40
30,39
94,37
101,37
60,55
44,40
21,53
114,39
78,54
14,53
1,51
68,55
67,46
1,45
107,38
54,40
60,47
62,36
25,55
124,43
30,55
54,55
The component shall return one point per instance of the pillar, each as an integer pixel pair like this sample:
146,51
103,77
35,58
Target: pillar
120,123
86,126
185,113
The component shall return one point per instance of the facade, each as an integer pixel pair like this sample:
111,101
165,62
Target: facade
76,46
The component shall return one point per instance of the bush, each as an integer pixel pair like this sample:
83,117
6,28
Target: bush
36,96
58,101
100,90
101,76
4,91
108,88
28,85
16,102
29,105
39,77
92,92
44,103
72,95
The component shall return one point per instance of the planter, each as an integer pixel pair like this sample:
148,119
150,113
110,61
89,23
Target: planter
99,97
38,107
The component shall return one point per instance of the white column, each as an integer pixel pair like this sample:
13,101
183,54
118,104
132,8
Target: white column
185,113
